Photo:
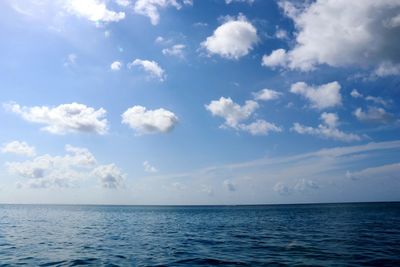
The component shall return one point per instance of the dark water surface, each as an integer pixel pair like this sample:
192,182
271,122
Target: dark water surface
323,234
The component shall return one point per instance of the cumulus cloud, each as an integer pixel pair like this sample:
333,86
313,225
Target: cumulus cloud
60,171
148,167
373,115
65,118
93,10
150,67
328,129
110,176
77,165
266,95
150,8
232,112
277,58
145,121
320,97
116,65
233,39
355,94
234,115
342,33
19,148
175,50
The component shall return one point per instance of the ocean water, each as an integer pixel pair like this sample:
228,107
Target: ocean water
321,235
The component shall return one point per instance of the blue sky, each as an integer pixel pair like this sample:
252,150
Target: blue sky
199,102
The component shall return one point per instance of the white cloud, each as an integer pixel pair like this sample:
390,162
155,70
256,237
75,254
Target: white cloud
277,58
373,115
111,177
233,39
232,113
328,129
19,148
150,8
123,3
148,167
344,33
377,100
266,95
65,118
321,97
387,69
149,121
354,93
93,10
116,65
58,171
159,39
150,67
259,127
229,185
77,165
281,34
175,50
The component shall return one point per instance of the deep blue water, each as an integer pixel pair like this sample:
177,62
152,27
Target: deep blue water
323,234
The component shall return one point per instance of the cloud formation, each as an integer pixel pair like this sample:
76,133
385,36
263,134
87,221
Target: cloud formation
151,67
63,119
145,121
175,50
150,8
77,165
116,65
342,33
266,95
373,115
232,112
110,176
233,39
320,97
328,129
19,148
234,115
93,10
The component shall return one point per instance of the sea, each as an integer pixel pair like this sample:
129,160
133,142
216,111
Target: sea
356,234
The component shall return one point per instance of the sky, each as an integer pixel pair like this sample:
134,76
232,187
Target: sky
199,101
